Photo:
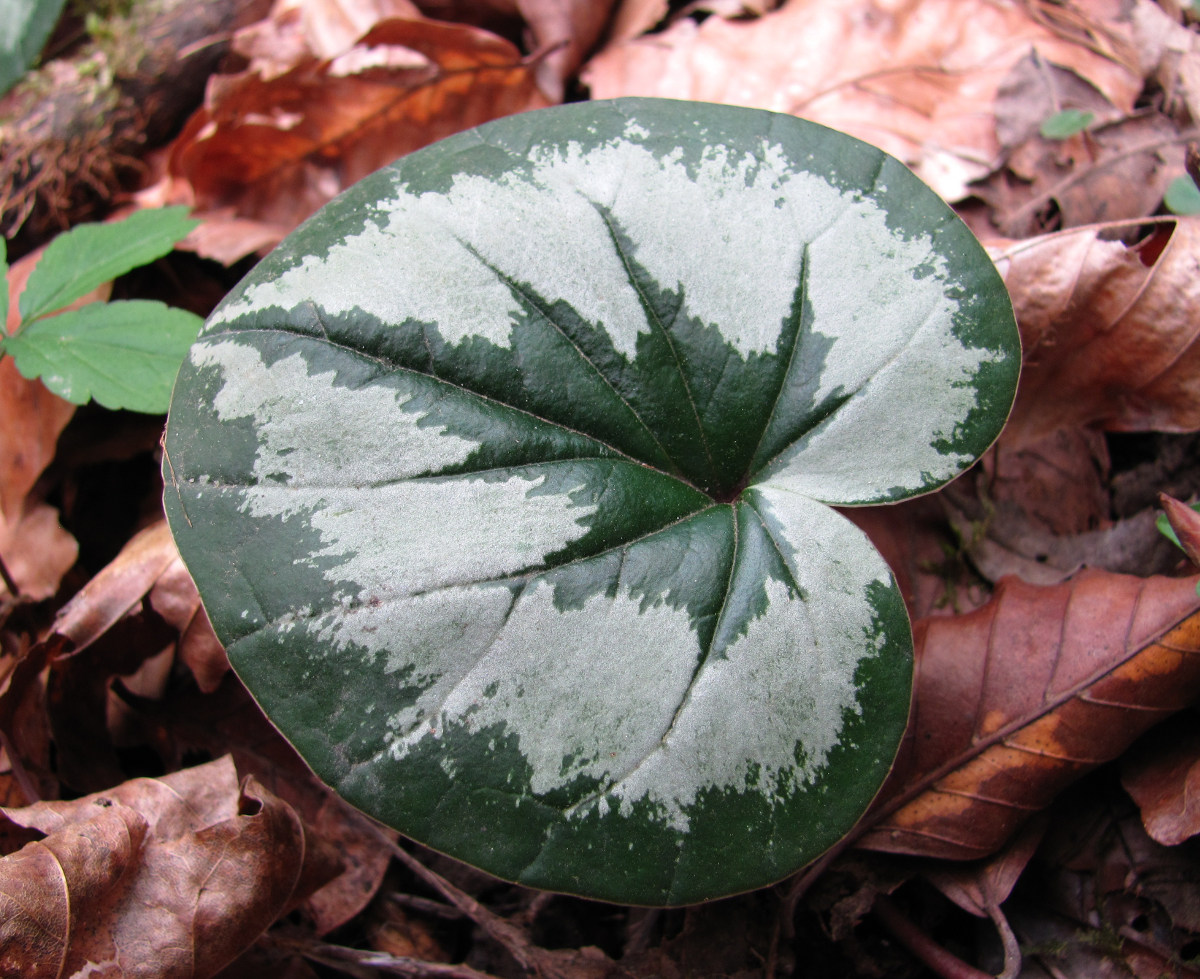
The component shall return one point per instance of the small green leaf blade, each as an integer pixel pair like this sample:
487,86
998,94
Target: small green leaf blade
88,255
25,26
1182,196
506,482
1065,123
121,354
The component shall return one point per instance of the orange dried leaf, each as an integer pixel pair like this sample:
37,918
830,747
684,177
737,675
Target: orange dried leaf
1108,331
265,152
917,79
1019,698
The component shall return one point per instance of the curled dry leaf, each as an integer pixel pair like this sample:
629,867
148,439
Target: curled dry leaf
228,720
267,151
1108,330
1017,699
117,589
169,877
918,80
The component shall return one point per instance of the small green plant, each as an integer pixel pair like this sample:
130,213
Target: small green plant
124,354
1065,123
508,481
1182,196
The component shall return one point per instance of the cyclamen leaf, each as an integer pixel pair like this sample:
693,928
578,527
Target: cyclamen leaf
79,260
505,481
122,354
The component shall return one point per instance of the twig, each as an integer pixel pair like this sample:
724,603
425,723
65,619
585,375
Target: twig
423,904
366,963
944,963
7,578
505,932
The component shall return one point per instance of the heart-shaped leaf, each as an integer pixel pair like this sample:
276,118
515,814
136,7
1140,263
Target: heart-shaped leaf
505,481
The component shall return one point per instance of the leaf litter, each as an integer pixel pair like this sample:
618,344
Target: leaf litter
1053,627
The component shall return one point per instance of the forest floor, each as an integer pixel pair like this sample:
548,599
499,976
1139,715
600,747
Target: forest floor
1051,834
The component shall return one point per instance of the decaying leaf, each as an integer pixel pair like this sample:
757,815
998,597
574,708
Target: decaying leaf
1108,330
918,80
1022,696
168,877
228,720
268,148
1162,774
175,598
1109,172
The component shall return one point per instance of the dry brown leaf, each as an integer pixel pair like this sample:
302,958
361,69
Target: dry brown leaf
918,80
569,30
265,152
1015,700
917,541
33,420
230,721
1162,774
1110,172
169,877
296,30
117,589
1108,331
36,550
1042,513
1170,53
175,598
633,18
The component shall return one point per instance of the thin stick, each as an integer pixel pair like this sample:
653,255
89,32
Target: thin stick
7,578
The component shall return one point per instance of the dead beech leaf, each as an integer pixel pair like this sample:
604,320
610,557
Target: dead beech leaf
1111,172
168,877
1108,331
175,598
228,720
117,589
633,18
1015,700
1162,774
568,30
37,551
916,79
266,152
917,540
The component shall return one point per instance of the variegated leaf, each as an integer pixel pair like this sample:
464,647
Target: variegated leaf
505,479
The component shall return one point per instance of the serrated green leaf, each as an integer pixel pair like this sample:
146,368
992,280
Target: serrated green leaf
88,255
1066,123
25,26
1182,196
506,482
121,354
